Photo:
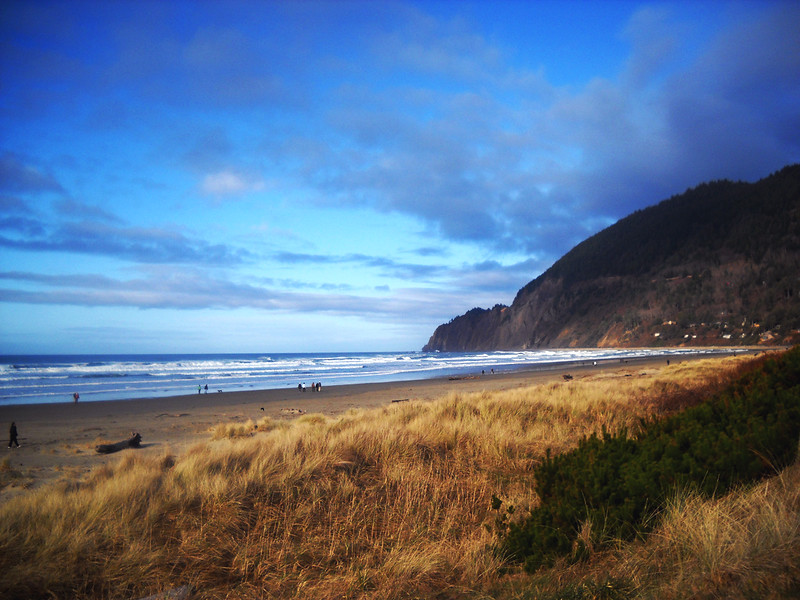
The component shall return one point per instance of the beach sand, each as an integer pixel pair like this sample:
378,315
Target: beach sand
58,440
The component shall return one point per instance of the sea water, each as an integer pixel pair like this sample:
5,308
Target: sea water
47,379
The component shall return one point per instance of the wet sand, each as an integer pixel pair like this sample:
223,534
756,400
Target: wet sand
58,440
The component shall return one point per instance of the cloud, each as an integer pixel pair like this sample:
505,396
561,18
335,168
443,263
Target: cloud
146,245
238,61
230,183
19,176
388,266
192,289
73,209
207,149
490,279
396,111
430,251
495,166
443,50
736,111
24,226
229,66
654,38
673,121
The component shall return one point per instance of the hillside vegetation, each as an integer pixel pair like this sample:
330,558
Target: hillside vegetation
392,503
716,265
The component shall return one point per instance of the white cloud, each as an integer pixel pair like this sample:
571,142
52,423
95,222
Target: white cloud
230,183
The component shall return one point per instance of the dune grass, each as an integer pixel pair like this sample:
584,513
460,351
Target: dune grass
388,503
737,546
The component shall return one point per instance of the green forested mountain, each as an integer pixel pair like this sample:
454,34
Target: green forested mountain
716,265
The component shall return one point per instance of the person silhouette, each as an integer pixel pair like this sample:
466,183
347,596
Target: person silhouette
12,435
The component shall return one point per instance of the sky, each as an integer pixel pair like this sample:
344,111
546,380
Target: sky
319,176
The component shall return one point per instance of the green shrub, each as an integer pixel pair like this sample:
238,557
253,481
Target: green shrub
618,483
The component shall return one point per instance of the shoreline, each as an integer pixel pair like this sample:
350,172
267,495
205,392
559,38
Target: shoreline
55,379
58,440
398,379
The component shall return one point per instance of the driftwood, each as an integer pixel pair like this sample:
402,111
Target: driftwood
133,442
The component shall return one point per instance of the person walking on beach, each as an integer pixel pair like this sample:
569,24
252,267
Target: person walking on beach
206,388
75,397
12,435
199,387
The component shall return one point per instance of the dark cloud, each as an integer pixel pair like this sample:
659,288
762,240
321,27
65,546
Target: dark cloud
22,226
299,258
80,210
736,112
207,150
438,50
241,61
388,266
493,281
430,251
84,281
12,204
146,245
728,114
539,173
18,218
19,176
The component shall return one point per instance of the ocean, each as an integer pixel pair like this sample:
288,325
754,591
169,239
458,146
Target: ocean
48,379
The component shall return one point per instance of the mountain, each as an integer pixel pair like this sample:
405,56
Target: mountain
716,265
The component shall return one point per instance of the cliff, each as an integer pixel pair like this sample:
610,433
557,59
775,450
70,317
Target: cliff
716,265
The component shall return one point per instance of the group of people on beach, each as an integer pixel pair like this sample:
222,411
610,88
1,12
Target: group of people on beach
315,387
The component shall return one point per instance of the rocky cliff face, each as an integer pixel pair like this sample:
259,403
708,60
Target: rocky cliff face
717,265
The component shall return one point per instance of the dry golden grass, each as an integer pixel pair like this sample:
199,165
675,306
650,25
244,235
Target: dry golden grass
246,429
744,545
388,503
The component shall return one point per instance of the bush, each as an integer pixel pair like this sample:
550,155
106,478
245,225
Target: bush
618,483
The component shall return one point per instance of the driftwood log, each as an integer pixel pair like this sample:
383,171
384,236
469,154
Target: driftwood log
134,442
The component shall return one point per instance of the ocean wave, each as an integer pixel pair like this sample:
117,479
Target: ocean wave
118,377
103,375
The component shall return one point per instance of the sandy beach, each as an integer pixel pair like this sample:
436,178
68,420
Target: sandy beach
58,440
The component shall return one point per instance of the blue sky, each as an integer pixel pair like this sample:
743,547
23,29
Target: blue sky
334,176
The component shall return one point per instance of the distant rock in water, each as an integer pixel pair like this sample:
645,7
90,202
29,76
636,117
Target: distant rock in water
716,265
